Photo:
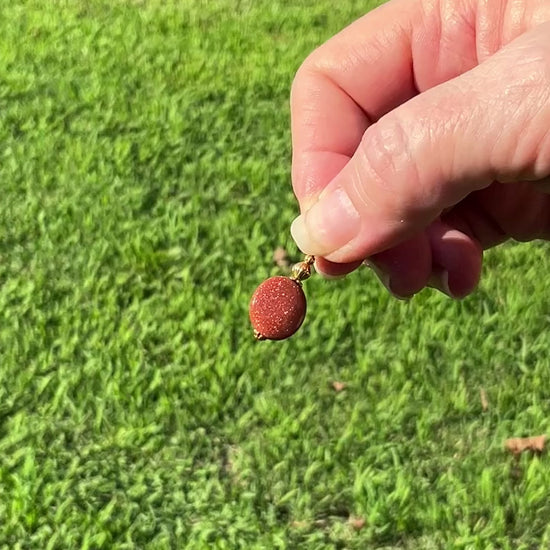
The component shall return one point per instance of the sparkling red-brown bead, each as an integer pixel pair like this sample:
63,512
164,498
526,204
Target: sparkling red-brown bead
277,308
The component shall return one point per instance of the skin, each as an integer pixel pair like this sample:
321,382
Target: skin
421,137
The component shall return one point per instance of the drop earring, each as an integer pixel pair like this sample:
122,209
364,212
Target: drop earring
278,306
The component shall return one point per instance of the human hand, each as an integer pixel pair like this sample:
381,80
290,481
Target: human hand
421,136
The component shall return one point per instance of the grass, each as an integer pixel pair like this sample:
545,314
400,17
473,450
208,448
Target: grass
145,169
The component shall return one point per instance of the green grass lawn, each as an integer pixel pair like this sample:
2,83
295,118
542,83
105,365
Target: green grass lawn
145,182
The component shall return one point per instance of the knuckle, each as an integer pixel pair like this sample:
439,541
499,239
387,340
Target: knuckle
386,161
303,74
308,71
523,149
297,83
305,89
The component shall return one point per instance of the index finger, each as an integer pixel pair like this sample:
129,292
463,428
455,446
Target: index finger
374,65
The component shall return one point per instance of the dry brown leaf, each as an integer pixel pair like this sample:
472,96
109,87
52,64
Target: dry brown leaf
321,523
357,523
338,386
299,524
280,257
484,400
517,445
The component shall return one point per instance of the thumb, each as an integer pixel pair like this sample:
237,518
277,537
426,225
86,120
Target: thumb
491,123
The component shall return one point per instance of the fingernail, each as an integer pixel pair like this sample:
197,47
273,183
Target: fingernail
440,281
385,279
330,224
302,236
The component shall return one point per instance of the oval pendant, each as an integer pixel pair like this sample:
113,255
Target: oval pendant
278,306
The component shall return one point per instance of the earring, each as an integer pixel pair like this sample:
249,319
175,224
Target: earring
278,306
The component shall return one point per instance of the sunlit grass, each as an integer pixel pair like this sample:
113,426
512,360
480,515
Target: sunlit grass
145,166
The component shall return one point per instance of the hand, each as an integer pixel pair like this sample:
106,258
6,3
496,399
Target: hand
421,136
